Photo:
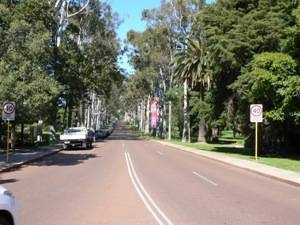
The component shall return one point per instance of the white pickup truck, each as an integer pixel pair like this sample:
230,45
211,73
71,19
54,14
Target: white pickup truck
77,137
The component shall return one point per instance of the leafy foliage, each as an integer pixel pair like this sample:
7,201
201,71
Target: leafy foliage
42,77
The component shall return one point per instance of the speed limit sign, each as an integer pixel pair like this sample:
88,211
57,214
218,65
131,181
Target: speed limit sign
256,113
8,110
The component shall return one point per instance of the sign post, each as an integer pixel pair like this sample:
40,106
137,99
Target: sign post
8,114
256,112
7,140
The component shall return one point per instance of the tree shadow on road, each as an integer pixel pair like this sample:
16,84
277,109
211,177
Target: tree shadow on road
64,158
6,181
124,136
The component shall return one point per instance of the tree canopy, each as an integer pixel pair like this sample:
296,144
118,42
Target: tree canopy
244,51
52,82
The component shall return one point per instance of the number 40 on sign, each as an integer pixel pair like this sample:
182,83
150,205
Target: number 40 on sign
256,113
8,111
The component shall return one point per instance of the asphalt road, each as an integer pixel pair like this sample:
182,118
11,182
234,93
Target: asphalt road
127,181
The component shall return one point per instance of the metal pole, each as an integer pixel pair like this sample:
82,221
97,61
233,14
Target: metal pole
7,141
256,140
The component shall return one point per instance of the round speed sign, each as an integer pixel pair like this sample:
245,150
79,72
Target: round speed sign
8,112
9,107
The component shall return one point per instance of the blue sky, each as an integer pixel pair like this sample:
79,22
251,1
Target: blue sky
130,12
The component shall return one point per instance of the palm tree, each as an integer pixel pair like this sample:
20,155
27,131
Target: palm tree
191,68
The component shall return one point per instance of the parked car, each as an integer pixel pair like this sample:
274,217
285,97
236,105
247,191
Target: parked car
100,134
77,137
8,207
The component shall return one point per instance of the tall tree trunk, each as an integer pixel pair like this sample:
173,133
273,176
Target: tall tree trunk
202,123
147,122
22,132
69,116
142,116
93,115
98,107
164,115
62,17
164,119
202,131
185,113
64,122
170,121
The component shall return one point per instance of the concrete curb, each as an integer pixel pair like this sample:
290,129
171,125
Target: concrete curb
286,176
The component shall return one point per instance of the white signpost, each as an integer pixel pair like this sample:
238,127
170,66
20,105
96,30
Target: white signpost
256,113
256,116
8,114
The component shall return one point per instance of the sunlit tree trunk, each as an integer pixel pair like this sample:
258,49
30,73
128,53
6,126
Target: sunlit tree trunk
147,122
185,113
202,131
141,112
170,121
164,113
202,123
62,6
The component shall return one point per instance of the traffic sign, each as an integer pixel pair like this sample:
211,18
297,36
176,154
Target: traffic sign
8,112
256,113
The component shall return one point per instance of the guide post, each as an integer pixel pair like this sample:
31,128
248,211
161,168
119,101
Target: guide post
8,114
256,112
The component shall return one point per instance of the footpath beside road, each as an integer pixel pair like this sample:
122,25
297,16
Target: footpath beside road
265,170
21,156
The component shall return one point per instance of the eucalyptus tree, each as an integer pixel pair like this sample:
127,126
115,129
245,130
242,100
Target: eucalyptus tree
26,31
137,88
88,59
149,59
101,52
174,18
65,10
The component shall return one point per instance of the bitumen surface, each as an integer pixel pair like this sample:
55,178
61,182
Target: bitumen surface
22,156
269,171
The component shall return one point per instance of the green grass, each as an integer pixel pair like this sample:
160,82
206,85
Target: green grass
292,163
233,147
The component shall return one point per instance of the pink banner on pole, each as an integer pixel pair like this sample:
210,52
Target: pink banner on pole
153,110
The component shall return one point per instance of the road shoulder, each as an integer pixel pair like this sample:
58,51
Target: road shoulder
265,170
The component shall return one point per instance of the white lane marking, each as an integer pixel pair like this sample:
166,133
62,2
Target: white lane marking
139,191
160,153
146,198
205,178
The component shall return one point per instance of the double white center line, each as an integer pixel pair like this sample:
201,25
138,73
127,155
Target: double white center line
156,212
